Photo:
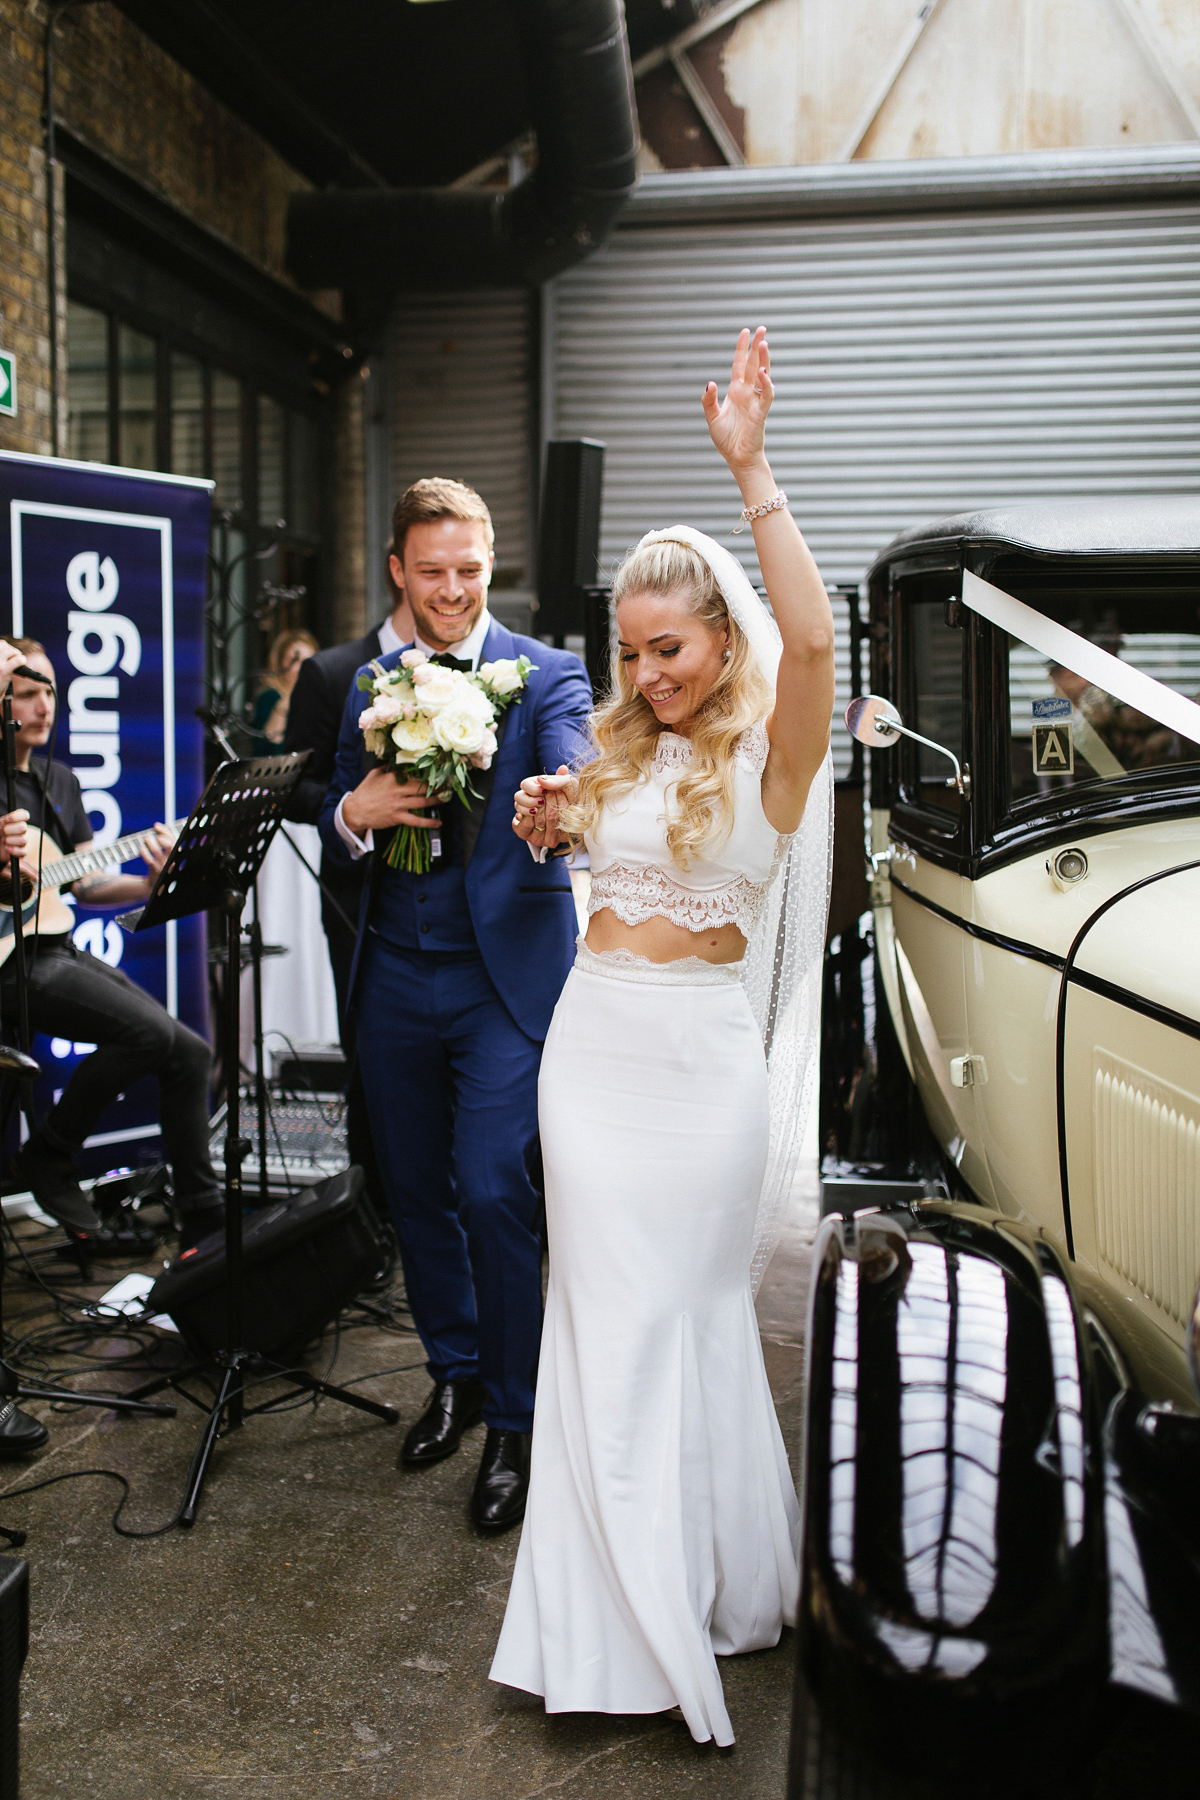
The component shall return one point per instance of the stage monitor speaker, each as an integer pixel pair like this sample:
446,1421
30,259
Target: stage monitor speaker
14,1644
303,1261
569,545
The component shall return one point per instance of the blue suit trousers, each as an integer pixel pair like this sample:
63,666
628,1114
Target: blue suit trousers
451,1085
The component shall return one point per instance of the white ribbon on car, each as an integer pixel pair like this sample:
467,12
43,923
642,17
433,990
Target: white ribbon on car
1070,651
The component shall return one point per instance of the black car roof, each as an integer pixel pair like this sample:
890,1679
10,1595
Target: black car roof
1120,525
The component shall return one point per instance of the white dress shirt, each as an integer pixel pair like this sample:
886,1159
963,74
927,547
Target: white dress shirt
470,648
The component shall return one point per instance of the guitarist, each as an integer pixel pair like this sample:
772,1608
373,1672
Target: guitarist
74,995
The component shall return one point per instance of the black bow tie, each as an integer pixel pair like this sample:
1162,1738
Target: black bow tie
449,661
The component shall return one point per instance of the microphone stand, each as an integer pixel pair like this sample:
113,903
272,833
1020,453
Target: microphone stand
12,1385
254,937
258,950
25,1078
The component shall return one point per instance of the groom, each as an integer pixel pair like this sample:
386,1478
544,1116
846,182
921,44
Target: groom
456,975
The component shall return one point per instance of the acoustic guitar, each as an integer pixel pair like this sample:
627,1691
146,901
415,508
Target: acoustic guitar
41,908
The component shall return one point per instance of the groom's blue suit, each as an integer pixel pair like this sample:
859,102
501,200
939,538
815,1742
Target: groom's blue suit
456,975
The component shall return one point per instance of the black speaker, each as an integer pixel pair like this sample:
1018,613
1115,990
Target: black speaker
14,1643
303,1261
569,547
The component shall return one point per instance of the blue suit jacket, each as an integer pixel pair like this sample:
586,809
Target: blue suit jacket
523,912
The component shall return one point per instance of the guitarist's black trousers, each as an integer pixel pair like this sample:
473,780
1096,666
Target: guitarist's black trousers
74,995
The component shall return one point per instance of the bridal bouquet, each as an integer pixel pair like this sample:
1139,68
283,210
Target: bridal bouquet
435,724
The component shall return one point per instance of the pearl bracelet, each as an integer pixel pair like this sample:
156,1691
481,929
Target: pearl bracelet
750,513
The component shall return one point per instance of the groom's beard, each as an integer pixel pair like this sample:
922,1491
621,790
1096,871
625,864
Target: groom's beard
444,633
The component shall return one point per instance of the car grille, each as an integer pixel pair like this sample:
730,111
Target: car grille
1147,1167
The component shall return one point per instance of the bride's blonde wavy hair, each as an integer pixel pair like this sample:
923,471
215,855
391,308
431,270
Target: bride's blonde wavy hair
624,727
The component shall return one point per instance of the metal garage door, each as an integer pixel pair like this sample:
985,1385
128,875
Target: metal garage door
460,404
923,365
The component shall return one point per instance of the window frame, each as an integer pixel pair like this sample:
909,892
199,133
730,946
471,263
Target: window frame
934,832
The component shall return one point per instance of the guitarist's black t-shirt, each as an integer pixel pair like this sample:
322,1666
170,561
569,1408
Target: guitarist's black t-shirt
66,819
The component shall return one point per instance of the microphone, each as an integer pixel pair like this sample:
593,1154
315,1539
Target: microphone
28,674
216,722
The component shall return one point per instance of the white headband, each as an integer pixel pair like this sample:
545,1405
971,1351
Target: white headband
744,605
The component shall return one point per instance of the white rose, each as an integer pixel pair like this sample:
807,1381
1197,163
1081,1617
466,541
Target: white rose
457,728
436,686
482,758
474,700
503,677
411,736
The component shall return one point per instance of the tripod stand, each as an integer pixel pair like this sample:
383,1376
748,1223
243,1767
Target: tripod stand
24,1066
212,865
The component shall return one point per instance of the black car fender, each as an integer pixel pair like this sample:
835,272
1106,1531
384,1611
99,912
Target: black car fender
953,1555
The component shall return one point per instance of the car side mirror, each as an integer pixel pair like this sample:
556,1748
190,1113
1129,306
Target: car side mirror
876,722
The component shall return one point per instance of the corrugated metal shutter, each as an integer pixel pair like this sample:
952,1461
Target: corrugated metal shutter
923,365
461,407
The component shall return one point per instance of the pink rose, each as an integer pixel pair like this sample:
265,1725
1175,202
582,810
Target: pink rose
412,659
387,708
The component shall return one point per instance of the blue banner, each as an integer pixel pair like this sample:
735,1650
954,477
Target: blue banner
108,568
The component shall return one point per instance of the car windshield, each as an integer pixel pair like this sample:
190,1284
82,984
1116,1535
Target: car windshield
1065,732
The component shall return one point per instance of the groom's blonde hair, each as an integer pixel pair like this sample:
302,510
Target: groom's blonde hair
437,497
625,729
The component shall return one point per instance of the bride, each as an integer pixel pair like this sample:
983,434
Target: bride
662,1522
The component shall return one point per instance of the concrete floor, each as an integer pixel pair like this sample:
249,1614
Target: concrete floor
326,1628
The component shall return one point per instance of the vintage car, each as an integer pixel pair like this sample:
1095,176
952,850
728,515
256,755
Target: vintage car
1002,1440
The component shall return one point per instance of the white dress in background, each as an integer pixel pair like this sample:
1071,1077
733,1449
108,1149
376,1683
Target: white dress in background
299,1001
662,1521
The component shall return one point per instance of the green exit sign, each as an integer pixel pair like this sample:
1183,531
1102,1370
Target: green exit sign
8,382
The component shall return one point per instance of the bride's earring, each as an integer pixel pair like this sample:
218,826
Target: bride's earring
728,654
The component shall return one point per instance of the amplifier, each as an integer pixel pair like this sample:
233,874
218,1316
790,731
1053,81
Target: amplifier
14,1643
303,1261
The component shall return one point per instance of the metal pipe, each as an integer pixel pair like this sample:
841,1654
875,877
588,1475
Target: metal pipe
576,57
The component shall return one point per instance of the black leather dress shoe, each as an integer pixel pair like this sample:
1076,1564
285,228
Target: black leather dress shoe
503,1481
453,1407
19,1433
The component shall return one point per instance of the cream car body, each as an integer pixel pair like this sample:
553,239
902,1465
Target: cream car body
1002,1449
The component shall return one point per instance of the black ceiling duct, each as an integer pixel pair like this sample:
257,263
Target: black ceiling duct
580,89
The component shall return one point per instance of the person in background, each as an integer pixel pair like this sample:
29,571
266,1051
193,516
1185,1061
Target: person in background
314,718
268,720
74,995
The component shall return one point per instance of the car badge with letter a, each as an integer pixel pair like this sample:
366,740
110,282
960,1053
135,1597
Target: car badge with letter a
1053,744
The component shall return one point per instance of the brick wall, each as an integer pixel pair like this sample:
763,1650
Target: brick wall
350,531
24,319
124,97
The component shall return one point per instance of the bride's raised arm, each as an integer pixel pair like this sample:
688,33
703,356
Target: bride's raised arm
798,728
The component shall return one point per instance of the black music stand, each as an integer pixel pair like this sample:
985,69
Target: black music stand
215,860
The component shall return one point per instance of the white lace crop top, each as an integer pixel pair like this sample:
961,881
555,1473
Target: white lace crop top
634,874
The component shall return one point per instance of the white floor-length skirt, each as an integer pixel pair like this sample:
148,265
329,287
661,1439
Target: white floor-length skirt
662,1520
